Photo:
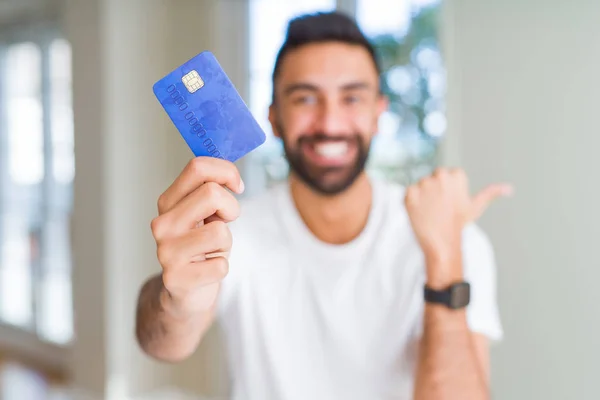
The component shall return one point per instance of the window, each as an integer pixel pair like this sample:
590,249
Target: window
25,159
413,78
405,36
36,175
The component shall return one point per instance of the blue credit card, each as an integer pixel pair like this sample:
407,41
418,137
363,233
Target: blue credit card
208,111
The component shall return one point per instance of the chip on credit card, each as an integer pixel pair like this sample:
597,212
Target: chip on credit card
208,111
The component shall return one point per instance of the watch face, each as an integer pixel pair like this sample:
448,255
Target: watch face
460,295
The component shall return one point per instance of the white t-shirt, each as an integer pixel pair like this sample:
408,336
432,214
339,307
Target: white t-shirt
303,319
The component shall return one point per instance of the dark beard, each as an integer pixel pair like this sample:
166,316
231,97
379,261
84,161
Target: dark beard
328,181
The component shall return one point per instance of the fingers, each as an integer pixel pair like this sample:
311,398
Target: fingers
450,176
442,179
184,279
213,218
195,244
483,199
182,273
453,185
192,237
209,200
197,172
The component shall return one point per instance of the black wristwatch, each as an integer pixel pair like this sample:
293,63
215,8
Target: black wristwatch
456,296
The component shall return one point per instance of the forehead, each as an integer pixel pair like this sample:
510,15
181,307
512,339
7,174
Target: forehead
328,64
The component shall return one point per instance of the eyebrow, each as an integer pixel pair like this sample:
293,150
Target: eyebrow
356,86
294,87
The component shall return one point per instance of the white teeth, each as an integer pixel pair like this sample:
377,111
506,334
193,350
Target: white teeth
331,150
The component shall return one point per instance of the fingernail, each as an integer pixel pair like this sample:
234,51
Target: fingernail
242,186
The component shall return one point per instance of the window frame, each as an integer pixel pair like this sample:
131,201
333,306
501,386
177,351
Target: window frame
27,342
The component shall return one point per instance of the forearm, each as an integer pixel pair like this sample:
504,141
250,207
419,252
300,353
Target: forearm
449,366
164,333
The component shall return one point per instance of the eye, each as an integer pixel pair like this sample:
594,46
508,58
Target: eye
306,99
353,99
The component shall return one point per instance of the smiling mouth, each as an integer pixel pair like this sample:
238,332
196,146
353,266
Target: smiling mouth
331,149
330,153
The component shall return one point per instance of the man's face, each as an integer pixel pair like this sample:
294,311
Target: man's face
327,104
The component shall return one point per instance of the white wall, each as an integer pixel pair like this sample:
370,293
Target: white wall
523,81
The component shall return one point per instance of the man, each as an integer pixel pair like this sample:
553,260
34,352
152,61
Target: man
322,293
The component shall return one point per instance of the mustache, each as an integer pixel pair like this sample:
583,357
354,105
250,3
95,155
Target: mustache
322,137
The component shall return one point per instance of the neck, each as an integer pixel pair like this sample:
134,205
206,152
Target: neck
334,219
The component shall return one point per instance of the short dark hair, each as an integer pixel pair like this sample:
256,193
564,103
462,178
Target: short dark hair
321,27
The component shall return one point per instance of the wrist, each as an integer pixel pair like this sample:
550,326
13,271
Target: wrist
173,306
442,282
442,251
444,268
190,305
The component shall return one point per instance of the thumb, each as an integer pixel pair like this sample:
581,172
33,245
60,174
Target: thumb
482,200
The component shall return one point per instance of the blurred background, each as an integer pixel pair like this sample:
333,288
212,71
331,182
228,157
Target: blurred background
506,89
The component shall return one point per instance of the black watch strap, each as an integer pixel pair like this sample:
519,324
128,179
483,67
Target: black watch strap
456,296
437,296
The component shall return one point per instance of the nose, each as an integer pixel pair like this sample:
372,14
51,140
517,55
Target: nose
331,119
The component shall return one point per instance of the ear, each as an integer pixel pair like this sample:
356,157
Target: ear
381,106
273,120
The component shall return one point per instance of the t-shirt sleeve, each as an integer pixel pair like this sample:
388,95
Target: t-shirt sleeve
479,266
